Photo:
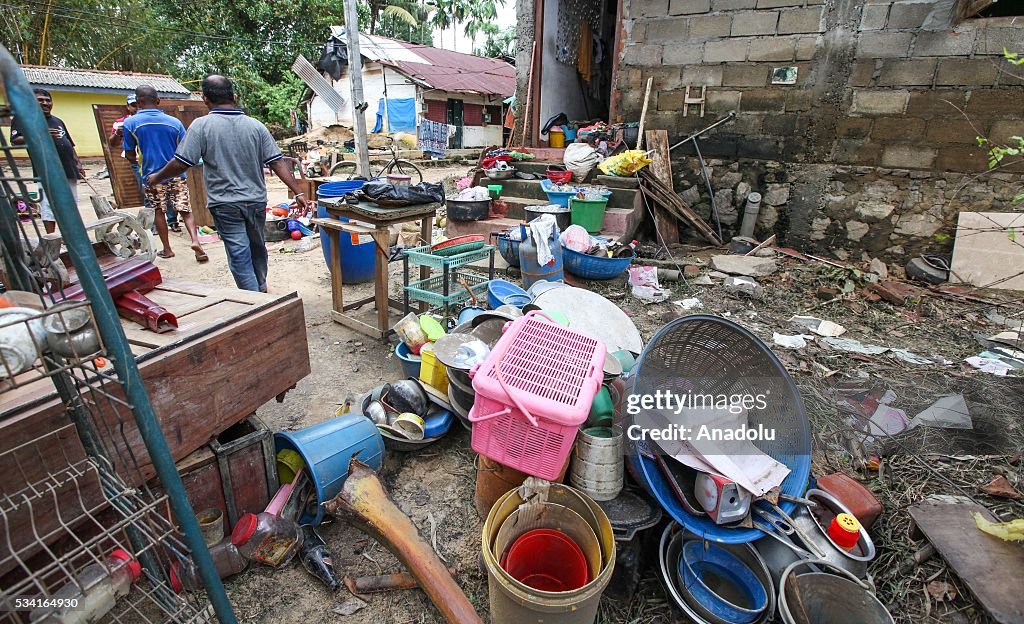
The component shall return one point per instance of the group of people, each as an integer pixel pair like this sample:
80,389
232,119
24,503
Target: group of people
233,149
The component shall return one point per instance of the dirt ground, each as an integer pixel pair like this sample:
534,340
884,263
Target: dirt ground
435,487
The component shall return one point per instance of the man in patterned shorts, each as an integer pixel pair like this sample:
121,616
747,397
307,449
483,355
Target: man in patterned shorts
157,135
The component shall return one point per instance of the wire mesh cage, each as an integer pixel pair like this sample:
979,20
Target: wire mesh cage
80,471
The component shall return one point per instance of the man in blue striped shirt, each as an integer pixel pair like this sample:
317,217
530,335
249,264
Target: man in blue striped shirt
157,135
234,148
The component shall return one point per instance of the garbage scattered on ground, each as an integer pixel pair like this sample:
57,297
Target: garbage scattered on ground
821,327
798,341
643,281
750,266
747,286
690,304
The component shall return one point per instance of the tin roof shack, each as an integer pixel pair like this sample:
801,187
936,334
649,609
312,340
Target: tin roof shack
75,91
418,82
856,120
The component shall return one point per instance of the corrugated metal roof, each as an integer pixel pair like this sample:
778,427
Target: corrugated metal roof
318,83
92,80
436,68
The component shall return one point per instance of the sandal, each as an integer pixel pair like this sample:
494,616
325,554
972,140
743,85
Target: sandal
201,256
164,255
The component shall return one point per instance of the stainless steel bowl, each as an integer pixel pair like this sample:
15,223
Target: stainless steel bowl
500,174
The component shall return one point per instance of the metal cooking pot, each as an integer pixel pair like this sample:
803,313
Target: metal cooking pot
563,215
459,210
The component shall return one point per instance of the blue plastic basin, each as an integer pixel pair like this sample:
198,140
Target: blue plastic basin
501,292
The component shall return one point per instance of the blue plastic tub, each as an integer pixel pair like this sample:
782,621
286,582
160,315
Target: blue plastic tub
410,363
358,261
338,189
593,267
509,250
705,569
561,198
437,424
500,292
327,447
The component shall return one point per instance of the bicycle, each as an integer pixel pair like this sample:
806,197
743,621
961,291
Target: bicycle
349,169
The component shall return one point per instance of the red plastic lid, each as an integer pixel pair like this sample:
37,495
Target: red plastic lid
172,572
844,531
134,569
244,529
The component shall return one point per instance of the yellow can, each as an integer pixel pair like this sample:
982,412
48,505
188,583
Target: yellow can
432,372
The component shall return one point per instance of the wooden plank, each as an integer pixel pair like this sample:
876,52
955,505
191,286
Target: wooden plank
661,167
188,324
207,290
983,562
127,193
380,281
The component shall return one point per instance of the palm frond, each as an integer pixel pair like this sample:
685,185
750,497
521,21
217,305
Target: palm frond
400,14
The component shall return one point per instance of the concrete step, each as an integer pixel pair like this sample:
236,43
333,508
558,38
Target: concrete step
487,226
532,190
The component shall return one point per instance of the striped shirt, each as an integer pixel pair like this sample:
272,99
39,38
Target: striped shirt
233,148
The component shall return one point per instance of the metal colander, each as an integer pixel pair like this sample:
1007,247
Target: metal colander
709,355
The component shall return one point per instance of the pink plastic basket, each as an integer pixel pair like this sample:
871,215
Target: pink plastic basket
532,392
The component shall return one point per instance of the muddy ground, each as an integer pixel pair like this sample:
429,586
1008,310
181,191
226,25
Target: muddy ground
435,487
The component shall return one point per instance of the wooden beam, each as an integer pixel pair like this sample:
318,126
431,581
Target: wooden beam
661,167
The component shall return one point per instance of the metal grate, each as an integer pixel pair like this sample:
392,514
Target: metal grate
78,473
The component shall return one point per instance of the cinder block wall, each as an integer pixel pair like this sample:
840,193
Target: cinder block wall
881,86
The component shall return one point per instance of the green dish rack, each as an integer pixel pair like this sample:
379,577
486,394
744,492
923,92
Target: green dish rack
443,290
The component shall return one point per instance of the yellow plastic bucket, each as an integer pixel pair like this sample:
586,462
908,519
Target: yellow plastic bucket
512,602
556,137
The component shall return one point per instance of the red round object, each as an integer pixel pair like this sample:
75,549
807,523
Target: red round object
547,560
458,240
296,235
134,568
244,529
844,531
558,176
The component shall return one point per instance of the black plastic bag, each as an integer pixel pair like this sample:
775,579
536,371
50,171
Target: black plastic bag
422,193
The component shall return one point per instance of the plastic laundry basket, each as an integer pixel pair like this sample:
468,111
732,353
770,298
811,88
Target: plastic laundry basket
532,392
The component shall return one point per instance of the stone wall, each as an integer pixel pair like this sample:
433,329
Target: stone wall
885,213
885,90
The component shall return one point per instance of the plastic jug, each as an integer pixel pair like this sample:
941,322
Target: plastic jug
93,592
267,539
185,576
531,268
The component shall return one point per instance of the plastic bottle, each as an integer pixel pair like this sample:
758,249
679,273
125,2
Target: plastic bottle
93,591
531,268
316,557
184,575
267,539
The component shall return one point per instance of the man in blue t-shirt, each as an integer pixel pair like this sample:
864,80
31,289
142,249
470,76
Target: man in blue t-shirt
157,135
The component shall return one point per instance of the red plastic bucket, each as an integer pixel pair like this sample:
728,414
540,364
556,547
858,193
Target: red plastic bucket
547,560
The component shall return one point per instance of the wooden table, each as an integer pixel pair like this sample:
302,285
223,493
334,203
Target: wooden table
380,218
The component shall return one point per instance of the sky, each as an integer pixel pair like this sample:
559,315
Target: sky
456,39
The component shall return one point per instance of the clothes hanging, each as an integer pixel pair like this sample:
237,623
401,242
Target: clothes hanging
433,137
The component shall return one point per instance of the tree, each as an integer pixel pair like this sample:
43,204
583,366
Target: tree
498,41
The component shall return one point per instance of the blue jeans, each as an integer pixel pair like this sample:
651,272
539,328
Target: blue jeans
240,226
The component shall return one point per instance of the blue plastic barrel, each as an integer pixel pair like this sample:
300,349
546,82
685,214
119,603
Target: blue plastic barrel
327,447
357,261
